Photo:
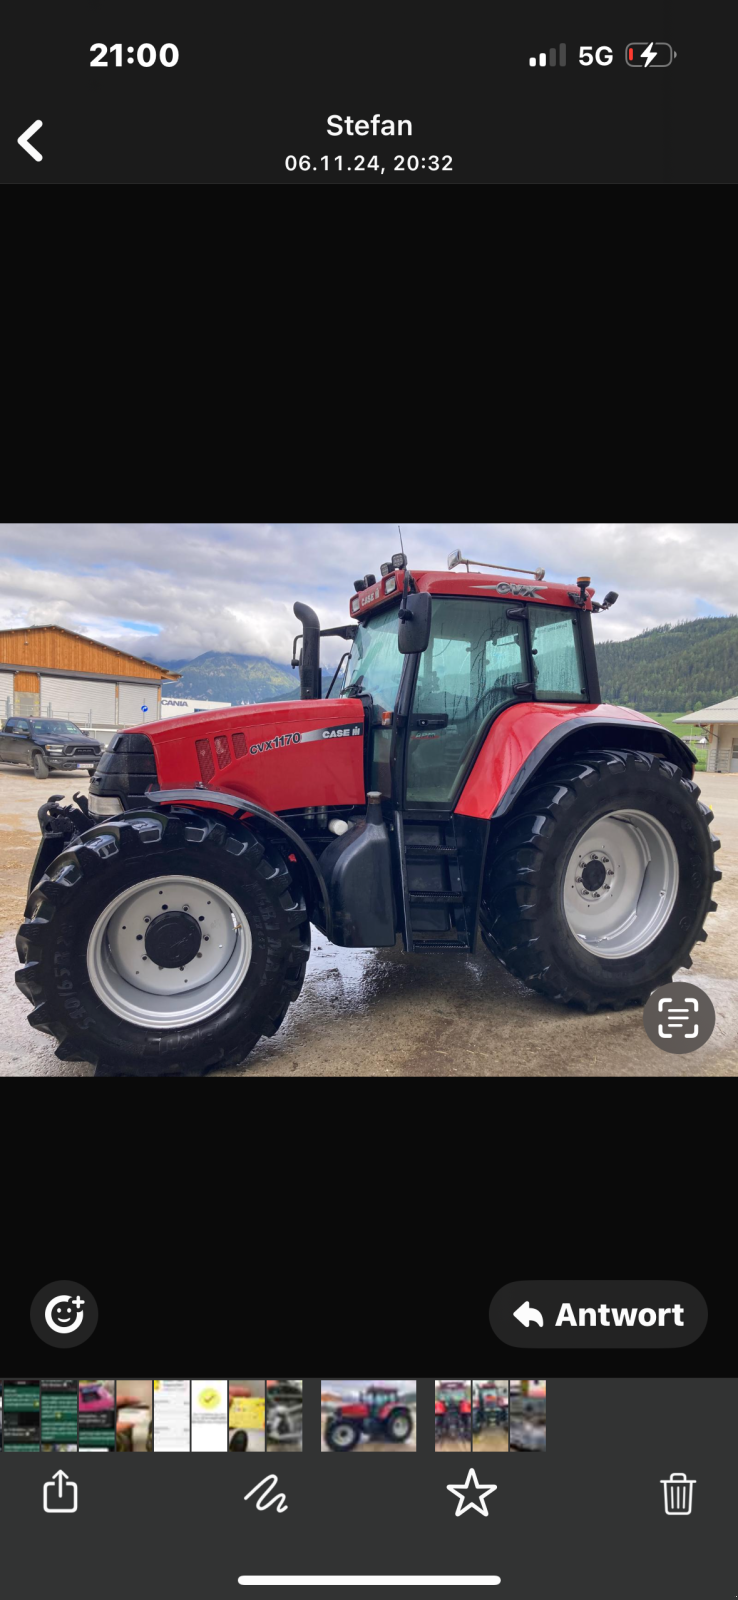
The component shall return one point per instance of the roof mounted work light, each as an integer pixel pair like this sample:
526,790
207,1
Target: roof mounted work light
399,561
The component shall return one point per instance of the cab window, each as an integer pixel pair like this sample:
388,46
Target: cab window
556,651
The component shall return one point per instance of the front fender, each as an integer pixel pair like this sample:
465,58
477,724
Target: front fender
249,808
523,736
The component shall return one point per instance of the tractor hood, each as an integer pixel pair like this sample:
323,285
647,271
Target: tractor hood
285,755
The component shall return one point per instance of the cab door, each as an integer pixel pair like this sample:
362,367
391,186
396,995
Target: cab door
477,657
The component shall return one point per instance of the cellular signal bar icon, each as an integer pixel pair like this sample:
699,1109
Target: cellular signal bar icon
551,57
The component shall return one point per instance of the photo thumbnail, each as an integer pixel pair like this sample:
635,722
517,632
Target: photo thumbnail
368,1413
453,1414
284,1414
527,1413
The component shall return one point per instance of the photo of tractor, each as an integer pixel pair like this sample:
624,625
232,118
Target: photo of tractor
377,1416
453,1414
491,1407
459,782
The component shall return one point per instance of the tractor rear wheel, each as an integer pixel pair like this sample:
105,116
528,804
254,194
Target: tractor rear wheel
342,1434
163,945
398,1426
597,886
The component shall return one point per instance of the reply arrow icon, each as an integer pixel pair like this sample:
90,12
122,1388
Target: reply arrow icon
527,1314
23,141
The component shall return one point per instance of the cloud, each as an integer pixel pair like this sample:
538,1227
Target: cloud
231,586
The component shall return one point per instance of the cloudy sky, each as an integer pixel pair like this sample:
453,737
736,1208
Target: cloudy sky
170,591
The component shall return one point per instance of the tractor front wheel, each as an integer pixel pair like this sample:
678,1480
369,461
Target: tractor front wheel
341,1434
163,945
598,884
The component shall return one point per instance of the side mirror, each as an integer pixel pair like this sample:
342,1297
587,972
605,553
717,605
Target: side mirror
414,631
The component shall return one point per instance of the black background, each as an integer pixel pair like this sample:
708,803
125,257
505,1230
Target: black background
256,82
212,1235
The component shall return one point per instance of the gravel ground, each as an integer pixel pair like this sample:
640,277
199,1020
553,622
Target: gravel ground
365,1013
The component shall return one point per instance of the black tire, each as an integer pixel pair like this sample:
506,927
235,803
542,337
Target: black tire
40,769
398,1426
67,901
342,1433
522,916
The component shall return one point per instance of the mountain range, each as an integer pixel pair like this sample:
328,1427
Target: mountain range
678,667
244,680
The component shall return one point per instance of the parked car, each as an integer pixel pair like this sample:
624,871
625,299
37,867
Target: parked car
44,743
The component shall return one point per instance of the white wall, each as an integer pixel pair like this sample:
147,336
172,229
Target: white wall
131,697
80,699
172,706
6,695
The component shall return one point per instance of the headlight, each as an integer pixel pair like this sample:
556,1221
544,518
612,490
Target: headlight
57,748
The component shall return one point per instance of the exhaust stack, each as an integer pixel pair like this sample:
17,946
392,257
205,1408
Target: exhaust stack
309,657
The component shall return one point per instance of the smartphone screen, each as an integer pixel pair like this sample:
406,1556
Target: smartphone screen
59,1413
171,1413
97,1414
209,1414
21,1414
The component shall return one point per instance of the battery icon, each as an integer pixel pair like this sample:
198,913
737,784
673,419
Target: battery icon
655,54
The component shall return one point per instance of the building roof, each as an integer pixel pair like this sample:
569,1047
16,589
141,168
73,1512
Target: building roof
7,633
724,711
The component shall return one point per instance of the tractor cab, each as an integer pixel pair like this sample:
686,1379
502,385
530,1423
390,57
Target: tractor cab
376,1398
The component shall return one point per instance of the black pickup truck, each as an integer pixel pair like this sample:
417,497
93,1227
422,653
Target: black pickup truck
43,743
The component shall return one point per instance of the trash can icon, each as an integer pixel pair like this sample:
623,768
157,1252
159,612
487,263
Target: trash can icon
678,1494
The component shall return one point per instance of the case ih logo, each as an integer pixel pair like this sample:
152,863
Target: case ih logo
347,732
371,594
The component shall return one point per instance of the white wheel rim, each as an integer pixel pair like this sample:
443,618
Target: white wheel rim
134,987
342,1434
621,883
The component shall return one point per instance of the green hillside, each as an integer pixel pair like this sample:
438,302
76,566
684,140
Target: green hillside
677,668
243,680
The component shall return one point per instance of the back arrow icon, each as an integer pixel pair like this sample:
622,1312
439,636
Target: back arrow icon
24,138
527,1314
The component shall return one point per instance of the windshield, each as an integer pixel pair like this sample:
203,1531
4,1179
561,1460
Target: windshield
53,725
375,663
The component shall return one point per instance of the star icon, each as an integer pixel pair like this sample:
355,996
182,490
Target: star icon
459,1489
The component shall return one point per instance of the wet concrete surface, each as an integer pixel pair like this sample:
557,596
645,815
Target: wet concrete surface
490,1439
366,1013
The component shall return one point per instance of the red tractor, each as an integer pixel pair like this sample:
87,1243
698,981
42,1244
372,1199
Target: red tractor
375,1415
453,1412
460,781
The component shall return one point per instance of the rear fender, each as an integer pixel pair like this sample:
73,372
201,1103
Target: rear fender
525,738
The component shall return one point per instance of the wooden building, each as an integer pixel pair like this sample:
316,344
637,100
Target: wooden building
52,672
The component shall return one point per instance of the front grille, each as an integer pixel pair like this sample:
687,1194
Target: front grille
205,758
239,745
221,750
82,750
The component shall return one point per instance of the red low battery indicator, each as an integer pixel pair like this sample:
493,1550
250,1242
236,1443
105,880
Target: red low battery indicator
630,53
